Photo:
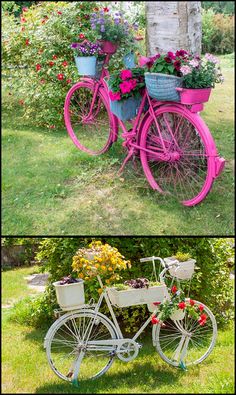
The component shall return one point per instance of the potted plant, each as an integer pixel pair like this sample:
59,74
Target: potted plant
176,307
111,29
125,88
137,291
70,293
185,268
199,77
86,57
164,75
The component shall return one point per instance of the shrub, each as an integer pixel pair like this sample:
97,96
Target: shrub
211,283
217,33
40,41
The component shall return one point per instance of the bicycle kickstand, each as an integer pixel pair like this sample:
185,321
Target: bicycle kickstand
128,157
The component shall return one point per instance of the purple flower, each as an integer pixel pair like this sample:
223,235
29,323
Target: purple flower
102,28
93,27
116,21
74,45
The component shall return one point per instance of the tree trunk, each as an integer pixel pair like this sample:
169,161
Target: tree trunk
173,25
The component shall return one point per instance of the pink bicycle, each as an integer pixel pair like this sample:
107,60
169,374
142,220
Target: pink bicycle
177,151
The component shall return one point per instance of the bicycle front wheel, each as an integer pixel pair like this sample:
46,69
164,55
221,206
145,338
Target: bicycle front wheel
90,126
188,174
186,342
70,335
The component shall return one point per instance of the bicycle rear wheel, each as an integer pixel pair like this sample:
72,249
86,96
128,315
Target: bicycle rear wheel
68,337
189,174
185,341
90,127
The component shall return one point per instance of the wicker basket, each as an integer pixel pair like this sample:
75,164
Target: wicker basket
163,87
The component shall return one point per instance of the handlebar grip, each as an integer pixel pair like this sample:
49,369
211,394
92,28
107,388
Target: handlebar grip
149,259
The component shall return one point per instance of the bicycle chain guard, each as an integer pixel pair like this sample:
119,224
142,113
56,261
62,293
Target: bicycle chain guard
127,350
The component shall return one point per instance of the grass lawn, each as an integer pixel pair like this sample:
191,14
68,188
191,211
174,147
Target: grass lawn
25,368
50,187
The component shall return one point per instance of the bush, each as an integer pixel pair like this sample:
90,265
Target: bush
40,41
211,283
217,33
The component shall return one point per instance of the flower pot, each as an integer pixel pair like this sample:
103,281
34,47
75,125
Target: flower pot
162,87
177,315
125,109
70,296
132,296
185,270
194,96
129,60
86,65
108,47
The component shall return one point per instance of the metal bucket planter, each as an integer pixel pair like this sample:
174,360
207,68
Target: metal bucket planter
125,109
70,296
86,65
133,297
163,87
108,47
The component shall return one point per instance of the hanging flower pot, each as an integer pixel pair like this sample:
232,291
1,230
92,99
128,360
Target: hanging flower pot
70,296
177,315
86,65
108,47
194,96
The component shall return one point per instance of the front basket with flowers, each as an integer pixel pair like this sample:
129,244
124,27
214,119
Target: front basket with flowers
182,77
125,92
86,55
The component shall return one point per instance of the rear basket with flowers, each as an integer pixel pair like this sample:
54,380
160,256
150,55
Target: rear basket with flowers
182,77
125,92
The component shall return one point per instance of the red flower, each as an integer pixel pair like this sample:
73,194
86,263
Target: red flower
54,57
81,36
42,81
125,74
24,9
65,64
202,319
106,9
27,41
181,53
156,303
182,305
38,67
192,302
68,81
51,64
86,16
60,77
174,289
21,102
201,307
155,321
23,20
171,55
52,126
168,60
43,21
59,12
96,9
177,65
22,29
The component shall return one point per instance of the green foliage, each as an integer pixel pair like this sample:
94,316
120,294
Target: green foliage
217,33
182,257
221,7
210,285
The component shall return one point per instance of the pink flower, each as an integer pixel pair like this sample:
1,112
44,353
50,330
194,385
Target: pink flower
125,74
114,96
194,63
42,81
185,70
24,9
128,86
171,55
211,58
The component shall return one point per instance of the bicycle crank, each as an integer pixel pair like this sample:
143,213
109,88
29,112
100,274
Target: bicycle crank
128,350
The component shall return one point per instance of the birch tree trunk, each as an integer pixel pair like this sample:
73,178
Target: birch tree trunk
173,25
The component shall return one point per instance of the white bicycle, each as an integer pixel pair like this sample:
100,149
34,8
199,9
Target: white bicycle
82,344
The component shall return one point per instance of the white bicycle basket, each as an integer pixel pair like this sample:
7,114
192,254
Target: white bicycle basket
184,271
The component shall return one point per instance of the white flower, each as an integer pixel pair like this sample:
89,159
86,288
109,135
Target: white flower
185,70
